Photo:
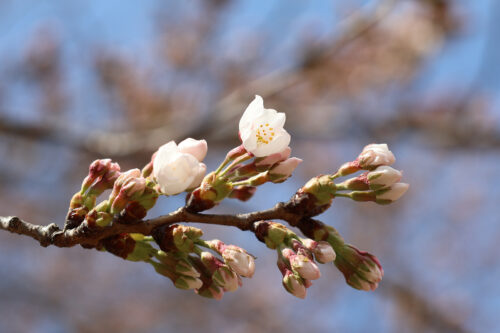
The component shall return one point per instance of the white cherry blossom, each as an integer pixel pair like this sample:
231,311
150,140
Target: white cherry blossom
177,168
261,130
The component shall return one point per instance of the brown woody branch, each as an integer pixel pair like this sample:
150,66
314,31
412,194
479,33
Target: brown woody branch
90,237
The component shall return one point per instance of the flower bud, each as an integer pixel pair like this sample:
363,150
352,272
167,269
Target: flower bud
210,290
324,252
263,163
283,170
243,193
236,152
374,155
226,278
76,201
239,260
96,169
383,176
176,237
148,168
391,194
102,175
211,191
348,168
184,237
359,183
178,168
314,197
188,282
103,219
184,267
126,247
271,233
294,284
128,187
302,264
361,270
197,148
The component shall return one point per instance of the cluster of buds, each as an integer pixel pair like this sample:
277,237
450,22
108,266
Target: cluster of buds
296,257
361,270
102,176
131,197
379,184
182,260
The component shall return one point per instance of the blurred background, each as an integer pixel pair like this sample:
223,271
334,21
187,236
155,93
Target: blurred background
81,80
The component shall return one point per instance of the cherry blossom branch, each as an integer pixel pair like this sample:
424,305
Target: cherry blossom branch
52,235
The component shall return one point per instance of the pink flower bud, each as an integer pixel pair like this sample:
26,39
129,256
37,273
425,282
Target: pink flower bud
226,278
102,175
294,285
374,155
239,260
383,176
129,186
243,193
236,152
274,158
324,252
361,270
391,194
184,267
306,268
197,148
210,290
284,170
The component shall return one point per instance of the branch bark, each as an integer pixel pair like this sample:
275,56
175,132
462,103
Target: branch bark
89,237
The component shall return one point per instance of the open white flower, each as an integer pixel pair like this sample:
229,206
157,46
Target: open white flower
261,130
178,167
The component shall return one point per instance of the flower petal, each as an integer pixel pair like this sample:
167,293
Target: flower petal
200,174
197,148
278,144
253,110
175,176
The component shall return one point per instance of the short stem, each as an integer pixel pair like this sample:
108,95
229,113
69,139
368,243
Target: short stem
223,164
335,176
242,158
197,250
201,242
242,182
341,187
345,195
